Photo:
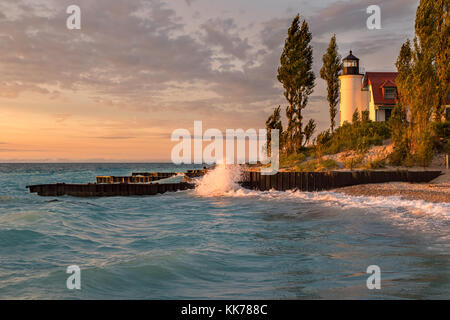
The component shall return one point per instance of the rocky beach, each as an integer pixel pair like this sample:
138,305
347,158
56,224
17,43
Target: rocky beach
437,190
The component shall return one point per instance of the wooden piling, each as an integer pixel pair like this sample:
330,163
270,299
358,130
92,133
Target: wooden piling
102,190
317,181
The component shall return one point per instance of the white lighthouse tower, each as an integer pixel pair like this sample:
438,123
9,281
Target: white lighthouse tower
351,85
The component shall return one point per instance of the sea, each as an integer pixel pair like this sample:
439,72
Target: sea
218,241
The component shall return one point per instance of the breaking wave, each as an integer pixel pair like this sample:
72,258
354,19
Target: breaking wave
223,181
220,181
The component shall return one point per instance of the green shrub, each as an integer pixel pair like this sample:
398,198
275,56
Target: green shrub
424,149
442,129
376,164
398,126
398,155
359,136
353,162
447,147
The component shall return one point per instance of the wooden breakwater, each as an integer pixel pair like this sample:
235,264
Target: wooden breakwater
317,181
130,179
163,175
107,190
147,177
282,181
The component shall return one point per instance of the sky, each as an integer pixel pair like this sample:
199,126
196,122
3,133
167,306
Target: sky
117,88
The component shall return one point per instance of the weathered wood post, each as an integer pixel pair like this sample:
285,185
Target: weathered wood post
268,184
274,181
298,180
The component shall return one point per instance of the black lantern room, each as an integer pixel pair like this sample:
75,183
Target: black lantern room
351,64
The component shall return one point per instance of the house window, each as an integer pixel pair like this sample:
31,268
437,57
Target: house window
390,92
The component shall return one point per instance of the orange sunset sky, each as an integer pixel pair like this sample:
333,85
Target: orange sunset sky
116,89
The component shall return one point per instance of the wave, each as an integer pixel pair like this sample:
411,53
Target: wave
218,182
346,201
10,238
223,182
21,217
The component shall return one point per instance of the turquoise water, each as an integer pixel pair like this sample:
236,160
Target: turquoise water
236,245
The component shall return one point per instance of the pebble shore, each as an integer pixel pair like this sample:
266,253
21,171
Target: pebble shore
432,192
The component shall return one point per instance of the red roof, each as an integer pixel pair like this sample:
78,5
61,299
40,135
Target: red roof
378,80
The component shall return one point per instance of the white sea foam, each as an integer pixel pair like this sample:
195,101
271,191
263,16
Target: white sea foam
223,181
220,181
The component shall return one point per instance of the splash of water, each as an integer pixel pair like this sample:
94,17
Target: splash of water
221,180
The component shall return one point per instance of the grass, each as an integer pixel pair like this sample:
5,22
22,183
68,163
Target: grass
292,160
317,165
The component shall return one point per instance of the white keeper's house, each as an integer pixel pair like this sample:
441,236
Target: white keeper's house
375,92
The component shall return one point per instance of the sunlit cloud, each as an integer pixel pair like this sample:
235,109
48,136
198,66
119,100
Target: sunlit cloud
139,69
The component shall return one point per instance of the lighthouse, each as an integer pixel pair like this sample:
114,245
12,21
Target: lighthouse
351,88
372,92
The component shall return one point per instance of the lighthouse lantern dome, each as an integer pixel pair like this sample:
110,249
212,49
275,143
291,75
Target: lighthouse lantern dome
351,64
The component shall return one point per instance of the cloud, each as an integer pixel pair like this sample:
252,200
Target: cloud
117,53
350,16
223,33
189,2
152,59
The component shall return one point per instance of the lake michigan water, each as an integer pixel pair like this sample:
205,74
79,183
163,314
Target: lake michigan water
218,241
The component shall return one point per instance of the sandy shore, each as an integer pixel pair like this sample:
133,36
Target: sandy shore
437,190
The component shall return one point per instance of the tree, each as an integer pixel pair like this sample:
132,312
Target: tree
418,94
332,66
309,131
425,102
274,122
398,123
365,116
423,75
296,75
398,126
432,27
404,77
355,117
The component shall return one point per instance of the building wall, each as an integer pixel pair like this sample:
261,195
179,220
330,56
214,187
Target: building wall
372,111
365,100
350,96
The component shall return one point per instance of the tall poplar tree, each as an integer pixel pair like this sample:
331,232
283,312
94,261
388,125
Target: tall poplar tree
332,66
422,81
401,135
432,27
309,131
298,79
